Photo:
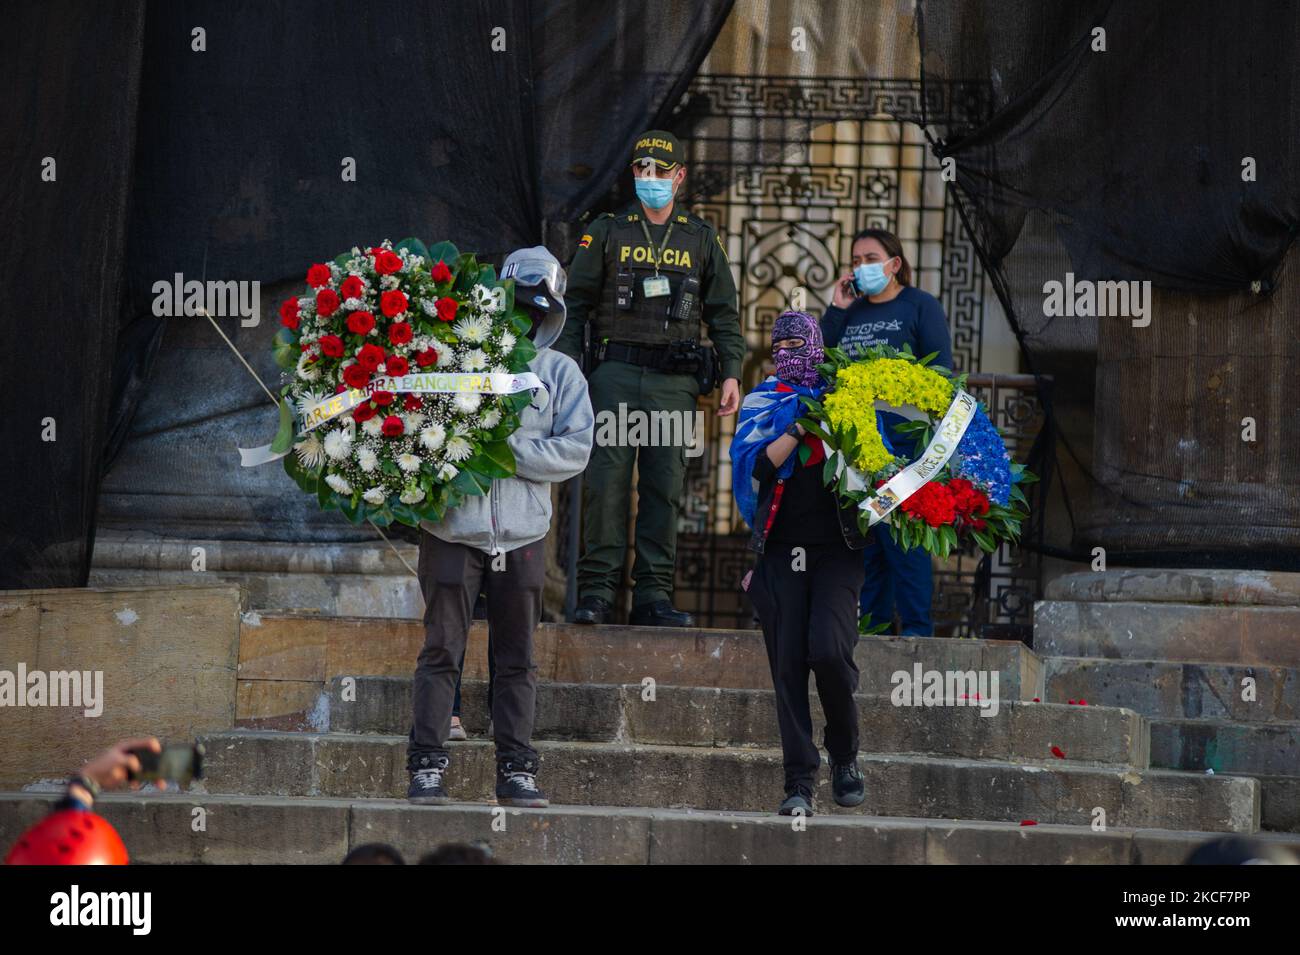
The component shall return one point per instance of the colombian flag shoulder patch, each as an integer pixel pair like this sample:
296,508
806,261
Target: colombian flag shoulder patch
585,242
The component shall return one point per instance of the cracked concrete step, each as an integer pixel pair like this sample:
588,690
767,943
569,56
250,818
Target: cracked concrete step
702,716
158,828
361,766
1188,633
1157,688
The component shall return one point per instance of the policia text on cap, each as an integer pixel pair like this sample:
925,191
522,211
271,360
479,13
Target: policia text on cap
639,285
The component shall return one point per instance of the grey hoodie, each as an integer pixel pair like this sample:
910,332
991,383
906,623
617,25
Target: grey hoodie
553,443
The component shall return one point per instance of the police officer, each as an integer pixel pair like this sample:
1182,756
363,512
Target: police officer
639,285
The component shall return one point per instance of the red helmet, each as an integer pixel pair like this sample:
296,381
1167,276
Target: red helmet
69,837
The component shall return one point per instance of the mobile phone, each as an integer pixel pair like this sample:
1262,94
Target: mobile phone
177,763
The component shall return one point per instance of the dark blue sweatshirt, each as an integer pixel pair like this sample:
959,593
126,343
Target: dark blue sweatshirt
913,317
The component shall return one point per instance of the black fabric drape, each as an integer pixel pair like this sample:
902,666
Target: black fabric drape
231,168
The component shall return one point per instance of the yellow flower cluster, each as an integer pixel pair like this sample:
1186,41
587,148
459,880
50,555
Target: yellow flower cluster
895,381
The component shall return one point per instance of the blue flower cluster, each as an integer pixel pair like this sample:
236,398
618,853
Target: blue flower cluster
982,459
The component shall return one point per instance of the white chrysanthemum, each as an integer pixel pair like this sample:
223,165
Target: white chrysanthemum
472,329
458,449
447,472
500,370
491,418
433,436
307,369
411,495
467,401
311,453
445,357
412,422
408,462
338,445
367,460
508,341
375,495
306,400
473,360
373,426
338,484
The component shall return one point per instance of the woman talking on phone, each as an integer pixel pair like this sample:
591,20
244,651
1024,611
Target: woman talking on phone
875,303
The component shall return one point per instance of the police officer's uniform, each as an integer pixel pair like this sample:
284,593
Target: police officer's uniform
644,288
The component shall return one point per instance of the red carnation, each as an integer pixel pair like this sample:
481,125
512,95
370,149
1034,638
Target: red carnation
393,426
360,323
399,333
933,503
396,365
412,403
353,287
392,303
427,357
363,412
446,308
356,376
370,357
327,301
318,276
331,346
386,263
289,313
440,273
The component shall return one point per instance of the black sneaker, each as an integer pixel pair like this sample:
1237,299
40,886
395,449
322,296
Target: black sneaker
846,784
517,784
426,782
798,802
593,610
661,613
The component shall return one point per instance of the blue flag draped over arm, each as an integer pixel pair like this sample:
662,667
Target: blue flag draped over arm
764,417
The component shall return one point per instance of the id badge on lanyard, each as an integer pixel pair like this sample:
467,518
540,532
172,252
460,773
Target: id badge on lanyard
656,286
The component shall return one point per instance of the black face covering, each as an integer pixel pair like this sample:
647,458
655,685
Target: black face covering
536,315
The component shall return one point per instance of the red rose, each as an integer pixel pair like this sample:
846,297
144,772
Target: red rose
392,303
360,323
363,412
440,273
382,398
356,376
353,287
396,365
289,313
427,357
340,388
370,357
318,276
393,426
412,403
399,333
331,346
446,308
327,301
386,263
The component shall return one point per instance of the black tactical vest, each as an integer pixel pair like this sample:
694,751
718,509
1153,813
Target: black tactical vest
629,260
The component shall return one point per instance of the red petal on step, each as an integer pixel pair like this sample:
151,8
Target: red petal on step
1029,822
1056,751
1083,702
1071,702
1037,700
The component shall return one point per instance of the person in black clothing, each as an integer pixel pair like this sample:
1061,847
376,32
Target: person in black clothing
809,570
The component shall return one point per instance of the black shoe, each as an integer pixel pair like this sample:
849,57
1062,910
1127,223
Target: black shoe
846,784
426,782
798,802
661,613
517,784
592,610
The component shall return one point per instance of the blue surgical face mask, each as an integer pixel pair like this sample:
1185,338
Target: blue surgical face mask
871,278
654,193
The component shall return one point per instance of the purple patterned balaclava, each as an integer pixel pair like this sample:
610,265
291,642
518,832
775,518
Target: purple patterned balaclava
798,366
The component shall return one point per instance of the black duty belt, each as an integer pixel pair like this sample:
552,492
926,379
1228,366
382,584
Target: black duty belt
647,356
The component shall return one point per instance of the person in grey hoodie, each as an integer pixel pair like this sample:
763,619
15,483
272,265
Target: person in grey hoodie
496,543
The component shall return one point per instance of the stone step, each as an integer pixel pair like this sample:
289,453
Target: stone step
1179,585
158,828
703,716
576,773
1156,688
1226,747
285,660
1187,633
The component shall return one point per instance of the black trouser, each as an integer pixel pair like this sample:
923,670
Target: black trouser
451,576
809,613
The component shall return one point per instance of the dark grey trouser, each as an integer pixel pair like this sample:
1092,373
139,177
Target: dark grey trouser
451,576
810,624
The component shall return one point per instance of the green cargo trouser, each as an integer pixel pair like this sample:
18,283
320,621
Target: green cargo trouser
607,484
